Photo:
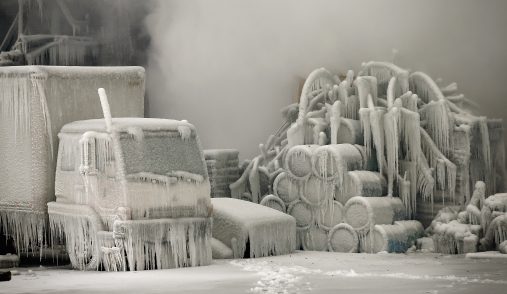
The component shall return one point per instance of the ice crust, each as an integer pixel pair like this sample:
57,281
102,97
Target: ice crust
241,224
35,102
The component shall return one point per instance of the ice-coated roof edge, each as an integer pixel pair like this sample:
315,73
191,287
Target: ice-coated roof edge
73,70
122,124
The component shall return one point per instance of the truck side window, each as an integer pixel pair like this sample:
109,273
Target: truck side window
69,158
104,158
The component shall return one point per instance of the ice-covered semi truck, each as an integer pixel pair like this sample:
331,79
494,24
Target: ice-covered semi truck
131,193
35,102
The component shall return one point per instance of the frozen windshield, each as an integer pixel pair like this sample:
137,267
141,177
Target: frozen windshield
162,153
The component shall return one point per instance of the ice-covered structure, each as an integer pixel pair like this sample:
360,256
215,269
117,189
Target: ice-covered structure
223,169
359,153
35,102
69,32
131,193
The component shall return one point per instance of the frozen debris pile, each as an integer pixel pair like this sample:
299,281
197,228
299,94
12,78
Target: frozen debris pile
252,230
35,102
480,226
382,133
223,170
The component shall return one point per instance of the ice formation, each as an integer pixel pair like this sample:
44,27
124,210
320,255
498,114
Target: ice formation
34,39
99,209
383,132
35,102
223,170
252,230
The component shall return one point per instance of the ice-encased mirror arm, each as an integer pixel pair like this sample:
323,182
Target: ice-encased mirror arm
115,136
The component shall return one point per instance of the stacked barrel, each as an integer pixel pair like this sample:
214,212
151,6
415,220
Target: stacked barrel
337,203
223,170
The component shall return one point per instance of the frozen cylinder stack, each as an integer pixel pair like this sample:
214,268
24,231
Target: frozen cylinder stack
223,169
360,154
319,188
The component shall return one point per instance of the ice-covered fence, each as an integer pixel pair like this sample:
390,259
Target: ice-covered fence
35,102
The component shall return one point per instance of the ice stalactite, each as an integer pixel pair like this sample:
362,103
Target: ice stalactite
439,124
79,226
61,51
168,243
18,88
425,180
409,133
364,117
185,132
445,169
481,150
26,228
392,142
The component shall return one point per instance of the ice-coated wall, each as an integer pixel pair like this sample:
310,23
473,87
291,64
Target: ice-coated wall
228,66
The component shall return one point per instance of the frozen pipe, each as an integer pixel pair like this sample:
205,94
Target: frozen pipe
106,110
315,239
274,202
362,213
362,183
503,247
330,215
298,161
397,238
343,238
302,212
286,188
333,161
316,192
349,132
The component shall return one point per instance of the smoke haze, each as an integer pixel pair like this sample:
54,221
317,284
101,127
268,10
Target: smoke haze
229,66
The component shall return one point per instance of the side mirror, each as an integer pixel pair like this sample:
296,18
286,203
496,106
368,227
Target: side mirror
87,151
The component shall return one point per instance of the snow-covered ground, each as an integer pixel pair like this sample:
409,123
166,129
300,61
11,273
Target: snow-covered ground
302,272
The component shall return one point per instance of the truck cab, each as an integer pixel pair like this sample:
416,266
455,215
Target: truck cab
135,196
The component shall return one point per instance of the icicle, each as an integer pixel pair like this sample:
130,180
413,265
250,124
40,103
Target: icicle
185,132
168,243
392,141
136,133
425,180
439,124
352,107
335,121
26,228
